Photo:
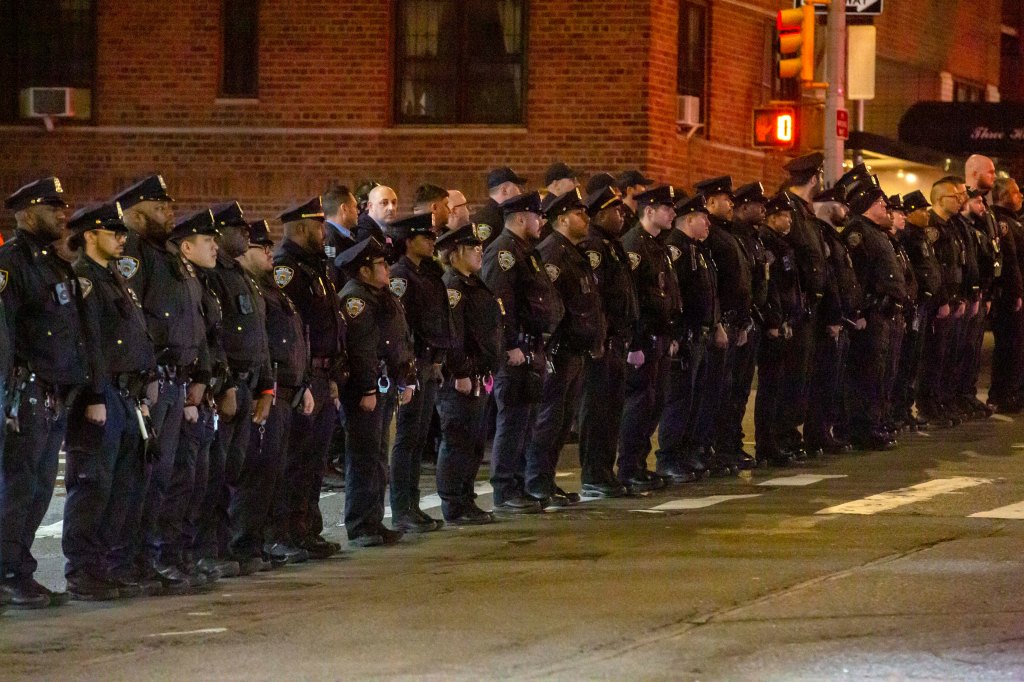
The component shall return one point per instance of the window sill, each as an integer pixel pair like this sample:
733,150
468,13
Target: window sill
459,128
229,101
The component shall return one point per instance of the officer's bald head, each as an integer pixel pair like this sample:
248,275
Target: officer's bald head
980,172
382,204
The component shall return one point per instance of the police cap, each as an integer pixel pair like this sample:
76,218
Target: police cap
780,203
310,210
417,225
687,205
198,223
600,199
259,233
749,193
555,206
524,203
45,192
663,195
803,167
863,196
712,186
559,171
363,253
150,188
833,194
499,176
106,216
914,201
599,181
228,214
628,178
465,235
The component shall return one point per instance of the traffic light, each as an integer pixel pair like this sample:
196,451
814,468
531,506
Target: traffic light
775,127
795,29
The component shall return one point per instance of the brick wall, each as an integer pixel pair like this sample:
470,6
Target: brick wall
601,96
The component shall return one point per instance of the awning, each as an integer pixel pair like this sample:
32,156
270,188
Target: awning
993,128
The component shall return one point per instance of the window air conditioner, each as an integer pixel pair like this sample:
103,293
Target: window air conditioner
688,111
56,103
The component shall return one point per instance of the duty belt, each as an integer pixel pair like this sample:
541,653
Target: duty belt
321,363
131,384
180,373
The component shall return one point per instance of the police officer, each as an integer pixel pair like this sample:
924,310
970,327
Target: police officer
904,325
679,451
417,281
579,333
733,266
784,306
302,272
881,275
247,391
253,508
805,176
600,415
468,374
1006,203
502,184
52,364
341,215
382,362
827,425
748,214
512,269
194,240
105,465
630,183
654,343
930,298
381,209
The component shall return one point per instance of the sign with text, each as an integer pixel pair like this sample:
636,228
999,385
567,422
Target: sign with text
965,127
842,124
860,8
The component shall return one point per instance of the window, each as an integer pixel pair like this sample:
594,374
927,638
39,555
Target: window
45,43
693,49
460,61
240,48
1011,62
967,92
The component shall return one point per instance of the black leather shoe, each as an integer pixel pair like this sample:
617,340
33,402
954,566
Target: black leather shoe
251,565
56,598
438,523
366,540
290,554
20,593
559,499
775,458
172,578
470,515
695,463
197,579
675,475
84,587
744,460
408,522
318,548
128,586
389,536
875,441
520,504
151,582
573,498
602,490
215,569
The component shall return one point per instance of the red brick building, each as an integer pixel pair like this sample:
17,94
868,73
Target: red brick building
267,101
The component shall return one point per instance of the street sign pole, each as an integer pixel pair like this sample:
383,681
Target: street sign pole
835,95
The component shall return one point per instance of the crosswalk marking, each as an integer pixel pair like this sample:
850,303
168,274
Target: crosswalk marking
1010,511
897,498
1001,418
53,530
799,480
698,502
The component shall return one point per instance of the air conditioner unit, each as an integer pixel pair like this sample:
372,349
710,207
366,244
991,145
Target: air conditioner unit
56,103
688,111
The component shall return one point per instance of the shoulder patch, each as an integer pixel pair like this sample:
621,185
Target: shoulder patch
553,271
85,284
399,286
354,306
483,231
674,252
932,234
3,280
454,296
595,259
506,260
128,266
634,259
854,239
283,275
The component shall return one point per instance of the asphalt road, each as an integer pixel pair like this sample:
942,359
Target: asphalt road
899,565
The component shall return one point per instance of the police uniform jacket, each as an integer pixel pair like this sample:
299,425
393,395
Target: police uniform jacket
304,276
807,242
243,332
377,338
213,315
971,269
172,298
990,253
947,240
657,289
489,221
512,269
425,299
1011,241
476,325
785,297
43,306
582,327
697,275
908,269
878,269
610,264
286,334
844,297
733,265
334,243
118,324
927,270
757,260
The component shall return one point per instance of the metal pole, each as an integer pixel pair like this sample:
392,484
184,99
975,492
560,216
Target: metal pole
835,96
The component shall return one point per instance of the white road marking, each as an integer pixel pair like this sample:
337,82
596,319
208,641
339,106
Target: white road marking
1010,511
184,633
1001,418
199,613
323,494
53,530
800,479
897,498
698,502
924,434
1018,446
647,511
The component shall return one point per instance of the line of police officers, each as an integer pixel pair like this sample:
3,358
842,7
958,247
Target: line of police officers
196,377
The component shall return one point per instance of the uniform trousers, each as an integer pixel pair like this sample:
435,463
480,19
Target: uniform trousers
552,423
460,454
603,396
645,402
683,399
826,411
167,416
411,429
793,406
366,462
734,403
308,441
866,372
515,413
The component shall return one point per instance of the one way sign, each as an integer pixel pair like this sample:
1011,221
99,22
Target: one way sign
860,8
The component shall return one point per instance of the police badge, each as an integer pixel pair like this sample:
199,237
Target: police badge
932,233
506,260
454,296
553,271
483,232
86,285
128,266
354,306
634,260
398,286
3,280
854,239
283,275
595,259
674,253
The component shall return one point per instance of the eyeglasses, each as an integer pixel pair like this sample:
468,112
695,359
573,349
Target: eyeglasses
380,261
118,234
262,247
